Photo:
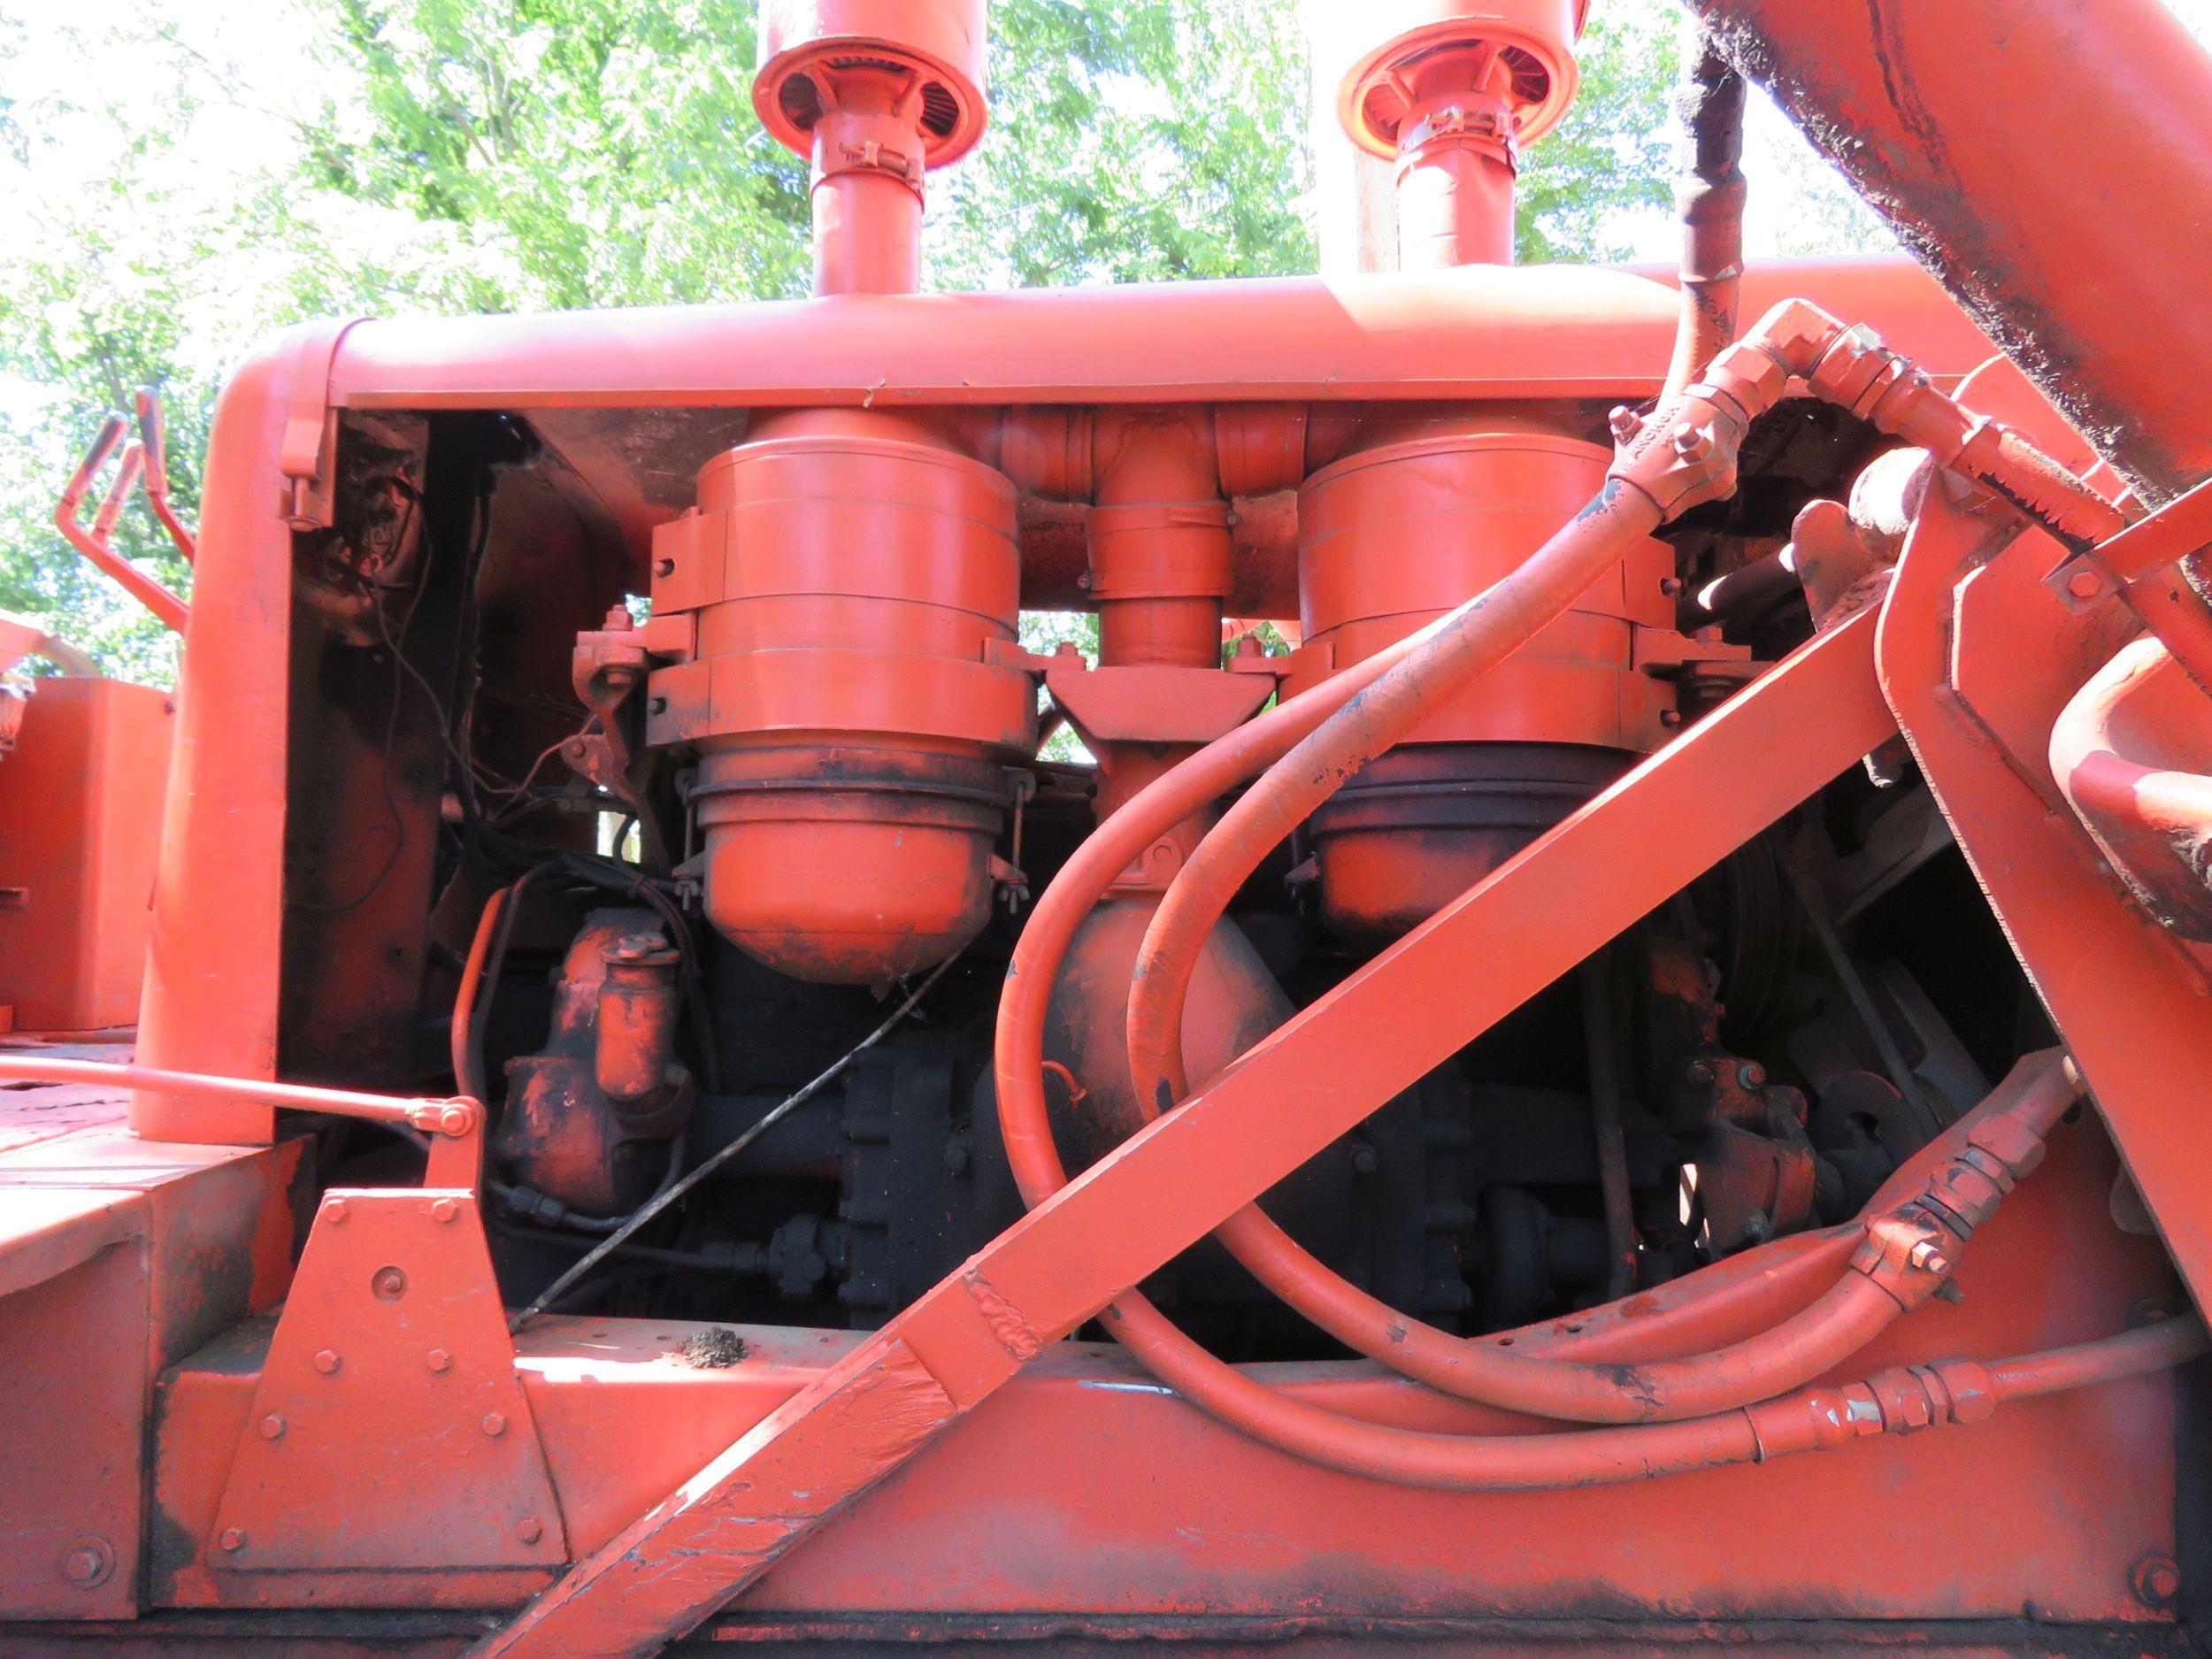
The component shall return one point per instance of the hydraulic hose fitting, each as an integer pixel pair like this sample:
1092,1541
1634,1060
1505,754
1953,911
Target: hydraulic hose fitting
1903,1401
1685,453
1912,1248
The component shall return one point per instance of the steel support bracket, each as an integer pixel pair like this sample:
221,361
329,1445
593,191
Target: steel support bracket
390,1428
2147,565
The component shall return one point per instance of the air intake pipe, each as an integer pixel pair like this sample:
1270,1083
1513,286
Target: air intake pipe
874,93
1452,91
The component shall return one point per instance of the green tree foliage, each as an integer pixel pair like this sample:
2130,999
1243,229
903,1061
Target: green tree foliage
608,147
1614,156
1133,141
179,188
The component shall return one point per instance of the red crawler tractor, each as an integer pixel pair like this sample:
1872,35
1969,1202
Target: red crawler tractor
1633,1070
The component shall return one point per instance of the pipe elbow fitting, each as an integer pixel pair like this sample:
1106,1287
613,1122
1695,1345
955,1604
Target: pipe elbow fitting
1911,1248
1685,454
1796,334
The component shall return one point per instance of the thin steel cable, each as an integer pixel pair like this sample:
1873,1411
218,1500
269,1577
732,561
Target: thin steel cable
776,1115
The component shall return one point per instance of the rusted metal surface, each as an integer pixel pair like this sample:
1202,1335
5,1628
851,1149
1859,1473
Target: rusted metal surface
588,1114
1086,1484
347,1635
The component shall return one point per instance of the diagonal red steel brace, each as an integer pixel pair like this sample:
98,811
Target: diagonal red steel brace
1316,1077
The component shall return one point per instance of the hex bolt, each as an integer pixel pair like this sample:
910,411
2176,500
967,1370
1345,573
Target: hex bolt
1696,443
272,1427
494,1424
1928,1256
438,1359
530,1529
334,1210
326,1360
1625,423
444,1209
1700,1071
2083,584
1751,1074
232,1538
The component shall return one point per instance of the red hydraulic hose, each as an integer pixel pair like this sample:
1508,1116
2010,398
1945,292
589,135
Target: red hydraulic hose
461,1039
2086,1364
1472,640
1794,340
1685,455
1811,1419
1848,366
1836,1324
1099,860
